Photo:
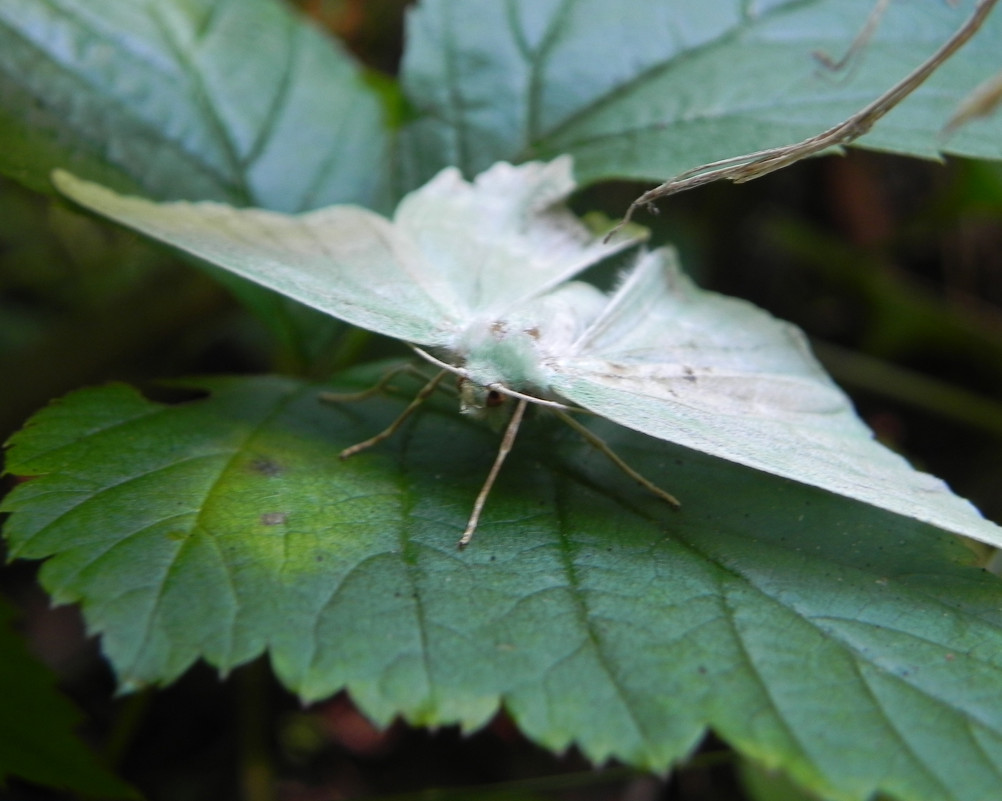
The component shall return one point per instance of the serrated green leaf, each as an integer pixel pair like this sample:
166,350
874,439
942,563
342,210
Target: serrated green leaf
188,99
853,649
646,89
37,741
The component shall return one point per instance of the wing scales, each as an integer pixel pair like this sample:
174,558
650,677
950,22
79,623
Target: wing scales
720,376
343,260
506,237
455,251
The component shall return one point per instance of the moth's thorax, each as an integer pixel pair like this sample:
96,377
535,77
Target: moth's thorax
518,349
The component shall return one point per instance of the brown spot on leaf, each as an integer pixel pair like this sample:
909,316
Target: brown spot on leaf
273,518
266,466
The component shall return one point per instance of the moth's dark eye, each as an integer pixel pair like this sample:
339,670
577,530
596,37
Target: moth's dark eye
494,399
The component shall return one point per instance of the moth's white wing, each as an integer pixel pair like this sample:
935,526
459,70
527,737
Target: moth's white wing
506,237
721,376
343,260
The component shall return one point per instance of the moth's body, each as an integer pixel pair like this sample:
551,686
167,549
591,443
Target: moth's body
520,351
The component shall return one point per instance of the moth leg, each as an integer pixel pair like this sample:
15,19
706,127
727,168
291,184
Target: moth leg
859,43
506,444
598,443
391,429
379,386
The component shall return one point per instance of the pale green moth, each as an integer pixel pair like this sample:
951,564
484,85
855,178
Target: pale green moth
480,274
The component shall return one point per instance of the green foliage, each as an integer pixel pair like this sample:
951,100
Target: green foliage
852,649
36,727
815,634
675,85
161,98
206,99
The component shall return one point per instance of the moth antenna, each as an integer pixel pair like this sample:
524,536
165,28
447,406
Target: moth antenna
598,443
451,368
391,429
514,393
506,444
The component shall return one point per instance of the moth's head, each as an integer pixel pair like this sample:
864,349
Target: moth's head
484,403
